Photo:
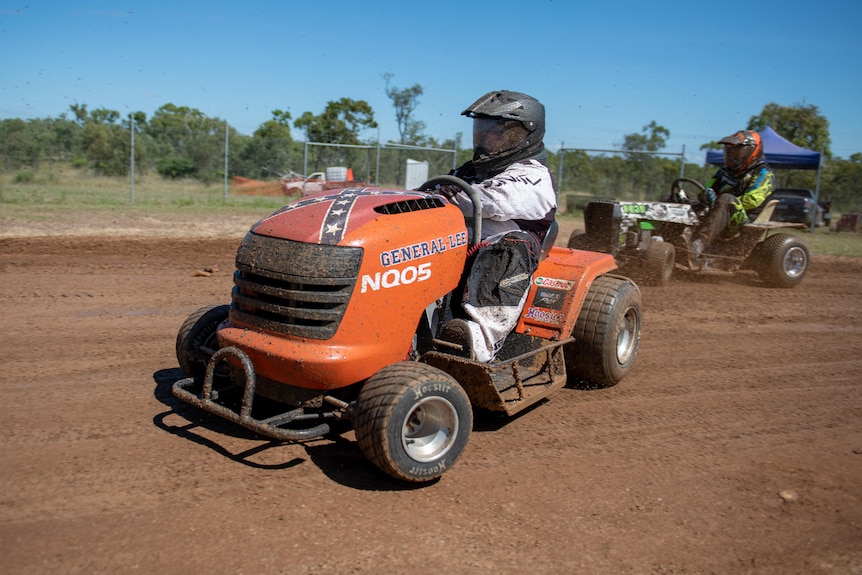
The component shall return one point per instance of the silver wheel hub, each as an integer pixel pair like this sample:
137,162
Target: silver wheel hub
627,336
795,262
429,430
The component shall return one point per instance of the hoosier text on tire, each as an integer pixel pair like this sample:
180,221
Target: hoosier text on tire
412,421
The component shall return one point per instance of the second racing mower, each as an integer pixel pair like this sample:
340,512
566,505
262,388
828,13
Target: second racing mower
650,240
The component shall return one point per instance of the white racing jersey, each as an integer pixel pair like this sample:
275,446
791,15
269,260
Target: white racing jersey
523,191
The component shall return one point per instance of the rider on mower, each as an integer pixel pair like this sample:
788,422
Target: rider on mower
509,172
738,188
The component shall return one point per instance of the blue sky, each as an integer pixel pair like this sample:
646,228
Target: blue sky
602,69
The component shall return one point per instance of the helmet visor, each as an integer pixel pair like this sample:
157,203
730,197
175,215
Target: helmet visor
737,157
496,135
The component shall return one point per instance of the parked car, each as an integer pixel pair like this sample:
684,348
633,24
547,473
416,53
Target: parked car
798,205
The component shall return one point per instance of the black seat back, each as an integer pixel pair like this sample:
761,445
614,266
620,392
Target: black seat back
550,239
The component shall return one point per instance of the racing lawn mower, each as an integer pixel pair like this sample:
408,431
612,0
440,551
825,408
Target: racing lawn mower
335,319
651,239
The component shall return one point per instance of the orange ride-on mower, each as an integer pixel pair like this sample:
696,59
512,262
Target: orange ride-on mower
335,316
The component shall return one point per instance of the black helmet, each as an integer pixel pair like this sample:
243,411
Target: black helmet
508,126
511,106
742,151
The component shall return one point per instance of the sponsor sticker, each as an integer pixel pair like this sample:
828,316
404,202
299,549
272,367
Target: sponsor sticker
544,315
549,298
554,283
634,208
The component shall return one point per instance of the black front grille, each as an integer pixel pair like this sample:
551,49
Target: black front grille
292,287
412,205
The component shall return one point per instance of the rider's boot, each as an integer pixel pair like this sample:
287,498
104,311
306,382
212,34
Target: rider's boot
695,252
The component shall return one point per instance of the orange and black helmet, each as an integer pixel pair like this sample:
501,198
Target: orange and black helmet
742,151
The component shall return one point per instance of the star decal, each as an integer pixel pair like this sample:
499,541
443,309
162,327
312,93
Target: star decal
335,221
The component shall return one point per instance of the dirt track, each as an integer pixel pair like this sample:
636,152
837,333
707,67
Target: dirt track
734,445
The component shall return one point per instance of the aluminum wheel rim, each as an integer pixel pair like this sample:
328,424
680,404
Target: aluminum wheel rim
429,430
795,262
627,336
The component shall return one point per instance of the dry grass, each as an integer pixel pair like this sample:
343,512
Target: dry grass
72,202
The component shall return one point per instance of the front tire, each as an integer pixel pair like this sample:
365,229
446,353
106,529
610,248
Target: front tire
782,260
199,330
412,421
658,263
607,333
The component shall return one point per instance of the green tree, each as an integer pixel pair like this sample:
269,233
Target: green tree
22,143
187,140
271,150
405,102
410,130
277,127
80,113
176,168
803,125
646,173
107,148
64,142
577,171
104,116
104,144
842,183
651,139
139,120
340,123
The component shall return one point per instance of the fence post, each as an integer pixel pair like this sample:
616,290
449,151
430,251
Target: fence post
682,163
132,160
560,171
225,161
377,164
817,193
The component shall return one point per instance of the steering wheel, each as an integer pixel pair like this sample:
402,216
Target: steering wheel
438,185
678,195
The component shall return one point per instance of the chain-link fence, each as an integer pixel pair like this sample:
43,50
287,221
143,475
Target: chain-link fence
211,153
379,164
584,174
308,166
250,165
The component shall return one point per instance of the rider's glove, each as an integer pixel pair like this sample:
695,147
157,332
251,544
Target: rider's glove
447,190
708,196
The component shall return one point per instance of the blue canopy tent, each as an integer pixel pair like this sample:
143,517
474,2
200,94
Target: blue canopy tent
780,154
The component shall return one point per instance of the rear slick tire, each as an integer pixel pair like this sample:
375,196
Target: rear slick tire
606,335
412,421
782,260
